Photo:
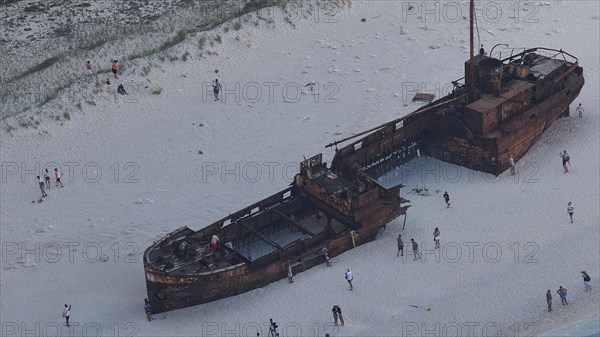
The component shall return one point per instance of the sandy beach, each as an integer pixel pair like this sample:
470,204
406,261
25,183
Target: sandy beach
167,155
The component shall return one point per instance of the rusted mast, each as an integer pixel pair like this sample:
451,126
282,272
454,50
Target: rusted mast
471,78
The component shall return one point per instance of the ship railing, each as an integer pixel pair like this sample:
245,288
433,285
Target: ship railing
394,124
547,52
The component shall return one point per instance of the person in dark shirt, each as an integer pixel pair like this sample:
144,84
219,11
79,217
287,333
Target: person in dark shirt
337,313
565,160
586,280
121,89
415,247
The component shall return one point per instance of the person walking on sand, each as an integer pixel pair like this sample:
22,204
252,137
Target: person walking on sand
271,329
148,309
400,246
415,248
436,237
337,314
565,160
549,300
115,68
47,179
88,70
586,280
42,186
57,177
579,110
339,311
562,292
66,314
289,273
349,278
447,198
216,88
512,165
570,209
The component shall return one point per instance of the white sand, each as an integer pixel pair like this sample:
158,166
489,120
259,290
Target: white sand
163,183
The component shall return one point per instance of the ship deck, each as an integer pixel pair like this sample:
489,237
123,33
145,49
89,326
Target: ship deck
275,229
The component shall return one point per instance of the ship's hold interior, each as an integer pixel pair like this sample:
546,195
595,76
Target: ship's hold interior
293,228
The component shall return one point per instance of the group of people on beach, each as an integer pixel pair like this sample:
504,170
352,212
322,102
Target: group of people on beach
121,89
338,319
564,155
44,183
562,292
415,246
566,163
115,70
273,328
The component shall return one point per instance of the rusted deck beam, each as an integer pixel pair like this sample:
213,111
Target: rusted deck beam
262,237
290,221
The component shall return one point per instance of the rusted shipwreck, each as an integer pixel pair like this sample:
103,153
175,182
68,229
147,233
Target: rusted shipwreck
321,209
501,109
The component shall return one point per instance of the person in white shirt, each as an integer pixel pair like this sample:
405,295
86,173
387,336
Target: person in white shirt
42,185
67,313
570,210
348,276
579,110
512,165
289,273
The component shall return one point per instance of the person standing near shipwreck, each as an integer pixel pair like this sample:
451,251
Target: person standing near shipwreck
348,276
325,255
447,199
214,242
579,110
290,274
512,165
565,160
148,309
400,245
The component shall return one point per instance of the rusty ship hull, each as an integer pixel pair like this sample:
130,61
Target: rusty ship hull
510,110
290,227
